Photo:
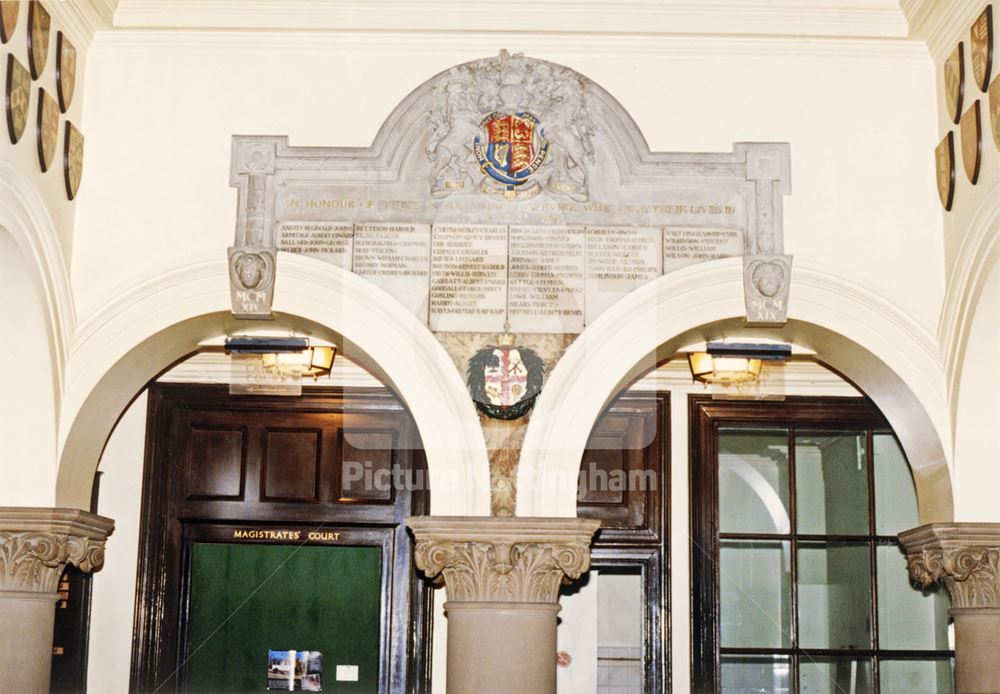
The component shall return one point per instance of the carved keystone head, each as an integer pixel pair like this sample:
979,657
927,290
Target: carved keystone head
768,278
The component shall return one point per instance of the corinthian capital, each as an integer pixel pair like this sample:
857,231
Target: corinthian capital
965,557
36,544
490,559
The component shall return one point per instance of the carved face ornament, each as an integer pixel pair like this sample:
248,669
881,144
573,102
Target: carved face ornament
767,278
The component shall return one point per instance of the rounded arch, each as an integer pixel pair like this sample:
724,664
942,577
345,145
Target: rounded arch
889,356
978,255
36,311
160,320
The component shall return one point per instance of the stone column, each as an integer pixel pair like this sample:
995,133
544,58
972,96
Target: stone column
502,577
965,557
36,544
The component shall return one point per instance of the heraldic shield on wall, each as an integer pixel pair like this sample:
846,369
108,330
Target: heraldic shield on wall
505,380
515,148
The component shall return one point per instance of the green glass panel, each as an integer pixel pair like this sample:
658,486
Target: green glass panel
249,599
916,676
834,595
908,619
835,676
895,495
753,480
755,595
831,483
752,674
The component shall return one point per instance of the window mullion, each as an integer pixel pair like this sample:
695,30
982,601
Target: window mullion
793,548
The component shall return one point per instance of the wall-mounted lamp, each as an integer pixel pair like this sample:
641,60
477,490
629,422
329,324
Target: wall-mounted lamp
728,363
286,355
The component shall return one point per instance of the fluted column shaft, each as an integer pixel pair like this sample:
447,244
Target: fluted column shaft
36,544
502,577
965,558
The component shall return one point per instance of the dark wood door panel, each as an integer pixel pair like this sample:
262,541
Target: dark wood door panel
624,471
216,463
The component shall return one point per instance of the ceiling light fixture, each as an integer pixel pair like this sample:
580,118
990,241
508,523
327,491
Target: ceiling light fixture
729,363
286,355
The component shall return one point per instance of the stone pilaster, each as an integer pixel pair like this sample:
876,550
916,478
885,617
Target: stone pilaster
36,544
965,558
502,577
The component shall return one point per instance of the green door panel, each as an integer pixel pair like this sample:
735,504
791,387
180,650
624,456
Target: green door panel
248,599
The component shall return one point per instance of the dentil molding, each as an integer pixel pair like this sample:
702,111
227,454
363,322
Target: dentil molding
965,557
484,559
36,544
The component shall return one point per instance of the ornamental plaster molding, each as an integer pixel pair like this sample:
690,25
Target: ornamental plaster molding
827,18
36,544
503,559
965,557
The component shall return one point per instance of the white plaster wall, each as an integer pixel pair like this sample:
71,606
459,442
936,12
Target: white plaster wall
163,105
976,474
114,586
28,390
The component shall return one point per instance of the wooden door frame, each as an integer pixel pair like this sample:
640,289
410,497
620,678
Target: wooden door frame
158,645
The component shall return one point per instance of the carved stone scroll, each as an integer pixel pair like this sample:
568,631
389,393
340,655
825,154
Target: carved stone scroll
36,544
965,558
503,559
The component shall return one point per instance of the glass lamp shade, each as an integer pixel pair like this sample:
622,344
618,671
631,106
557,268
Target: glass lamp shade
709,369
315,361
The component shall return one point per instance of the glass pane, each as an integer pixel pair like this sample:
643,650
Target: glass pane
755,593
753,480
752,674
916,676
831,481
834,595
907,618
895,495
835,676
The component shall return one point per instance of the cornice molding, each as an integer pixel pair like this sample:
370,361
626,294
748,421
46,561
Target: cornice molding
965,557
36,544
941,23
489,559
79,19
539,44
832,18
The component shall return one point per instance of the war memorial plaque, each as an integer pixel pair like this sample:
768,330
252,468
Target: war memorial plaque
619,259
396,257
683,246
329,241
468,289
546,289
508,192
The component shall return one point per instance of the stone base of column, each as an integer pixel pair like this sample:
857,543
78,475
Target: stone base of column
36,544
503,577
499,648
965,557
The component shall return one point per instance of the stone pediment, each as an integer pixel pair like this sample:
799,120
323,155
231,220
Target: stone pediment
539,232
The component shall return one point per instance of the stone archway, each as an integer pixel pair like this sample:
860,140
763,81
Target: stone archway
165,318
850,328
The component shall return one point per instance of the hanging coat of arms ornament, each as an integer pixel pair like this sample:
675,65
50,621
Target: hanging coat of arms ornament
514,149
504,380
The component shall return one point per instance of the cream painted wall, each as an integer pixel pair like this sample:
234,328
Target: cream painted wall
114,586
163,106
27,396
